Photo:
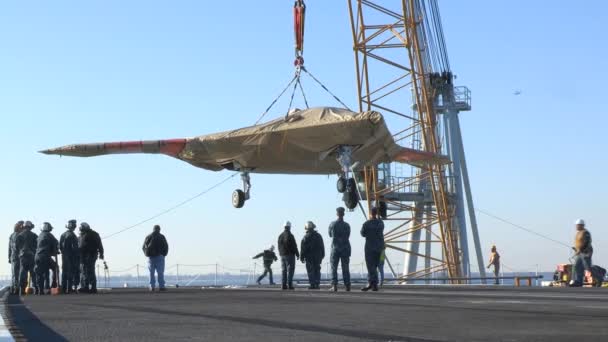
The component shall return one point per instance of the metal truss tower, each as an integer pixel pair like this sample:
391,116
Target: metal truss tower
403,71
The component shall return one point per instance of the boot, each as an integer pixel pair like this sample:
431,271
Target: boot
375,287
83,290
284,287
367,288
347,287
333,288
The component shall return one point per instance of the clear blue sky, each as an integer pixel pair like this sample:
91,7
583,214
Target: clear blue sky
73,71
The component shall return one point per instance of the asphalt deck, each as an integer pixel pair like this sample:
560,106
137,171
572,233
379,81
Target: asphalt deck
411,313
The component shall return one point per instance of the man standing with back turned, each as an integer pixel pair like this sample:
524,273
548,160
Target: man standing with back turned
339,231
90,246
373,232
70,259
288,250
156,249
13,257
313,252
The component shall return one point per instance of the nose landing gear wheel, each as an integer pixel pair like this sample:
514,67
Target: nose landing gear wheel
238,198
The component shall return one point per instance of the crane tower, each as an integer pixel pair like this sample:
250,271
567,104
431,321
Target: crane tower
403,71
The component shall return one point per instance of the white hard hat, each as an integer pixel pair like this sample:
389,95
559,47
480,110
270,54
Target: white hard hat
580,221
287,224
309,225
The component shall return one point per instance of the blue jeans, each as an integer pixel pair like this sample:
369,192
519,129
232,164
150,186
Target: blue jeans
288,266
582,263
157,264
381,271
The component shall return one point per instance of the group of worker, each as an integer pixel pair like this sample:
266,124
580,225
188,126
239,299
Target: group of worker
312,253
33,258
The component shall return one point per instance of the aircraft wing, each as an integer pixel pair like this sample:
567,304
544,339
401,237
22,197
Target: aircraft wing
418,158
304,143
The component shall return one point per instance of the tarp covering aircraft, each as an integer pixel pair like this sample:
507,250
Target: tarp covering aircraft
322,140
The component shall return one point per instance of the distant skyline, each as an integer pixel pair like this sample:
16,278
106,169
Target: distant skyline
105,71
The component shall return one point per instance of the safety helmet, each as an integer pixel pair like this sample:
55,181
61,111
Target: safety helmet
84,226
310,225
580,221
28,225
287,224
71,224
271,248
18,225
47,227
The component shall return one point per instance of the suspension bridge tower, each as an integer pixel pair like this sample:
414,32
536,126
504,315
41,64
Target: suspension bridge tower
403,71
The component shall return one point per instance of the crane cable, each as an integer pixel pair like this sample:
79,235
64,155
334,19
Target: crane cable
166,211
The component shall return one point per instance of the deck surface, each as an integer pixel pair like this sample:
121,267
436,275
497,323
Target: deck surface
413,313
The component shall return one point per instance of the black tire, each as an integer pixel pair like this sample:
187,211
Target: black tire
238,198
341,184
351,200
351,185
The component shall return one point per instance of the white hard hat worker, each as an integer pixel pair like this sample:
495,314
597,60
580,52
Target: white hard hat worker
580,222
310,225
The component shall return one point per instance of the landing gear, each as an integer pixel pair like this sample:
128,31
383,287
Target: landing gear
240,196
346,185
341,184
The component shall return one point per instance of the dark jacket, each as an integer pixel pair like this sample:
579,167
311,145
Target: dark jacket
287,244
339,231
48,246
268,256
89,243
582,242
312,246
155,244
68,245
27,242
373,232
13,252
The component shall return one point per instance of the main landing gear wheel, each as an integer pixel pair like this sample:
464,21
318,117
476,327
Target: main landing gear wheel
350,196
238,198
341,184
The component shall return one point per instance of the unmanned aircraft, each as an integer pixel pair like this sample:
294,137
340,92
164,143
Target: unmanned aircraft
322,140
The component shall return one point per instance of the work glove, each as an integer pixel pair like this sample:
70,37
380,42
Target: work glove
101,256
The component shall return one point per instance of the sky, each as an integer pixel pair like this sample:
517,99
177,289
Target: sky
73,71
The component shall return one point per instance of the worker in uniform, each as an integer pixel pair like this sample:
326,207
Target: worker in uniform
156,249
70,259
373,232
90,246
582,253
47,248
288,250
268,257
495,261
13,257
339,231
312,252
26,245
